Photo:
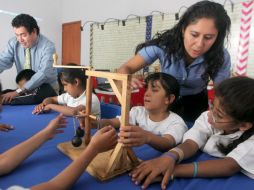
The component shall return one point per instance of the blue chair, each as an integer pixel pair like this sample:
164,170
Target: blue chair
109,111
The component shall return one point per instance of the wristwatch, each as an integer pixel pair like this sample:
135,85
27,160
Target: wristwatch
19,91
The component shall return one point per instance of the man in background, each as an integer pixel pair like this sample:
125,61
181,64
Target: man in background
29,50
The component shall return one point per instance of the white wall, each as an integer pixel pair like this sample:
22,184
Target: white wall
100,10
56,12
49,11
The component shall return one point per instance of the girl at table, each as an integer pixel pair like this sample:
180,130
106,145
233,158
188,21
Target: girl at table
225,131
74,100
154,123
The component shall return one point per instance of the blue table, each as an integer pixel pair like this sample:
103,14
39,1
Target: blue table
48,161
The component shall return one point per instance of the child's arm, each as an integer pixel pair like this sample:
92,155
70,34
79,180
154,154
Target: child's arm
164,165
114,122
9,159
41,107
211,168
161,143
135,136
66,110
103,140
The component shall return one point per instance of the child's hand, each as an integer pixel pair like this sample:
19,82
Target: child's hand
6,128
80,109
54,126
41,108
152,170
104,139
133,136
38,109
47,108
7,98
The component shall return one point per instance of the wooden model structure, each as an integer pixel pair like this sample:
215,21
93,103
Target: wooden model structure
119,160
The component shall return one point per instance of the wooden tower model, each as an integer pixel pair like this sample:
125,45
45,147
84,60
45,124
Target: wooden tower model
108,164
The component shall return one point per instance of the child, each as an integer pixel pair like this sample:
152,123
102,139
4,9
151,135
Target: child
154,123
9,159
226,131
74,100
103,140
34,96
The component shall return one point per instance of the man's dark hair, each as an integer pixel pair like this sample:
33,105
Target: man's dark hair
26,21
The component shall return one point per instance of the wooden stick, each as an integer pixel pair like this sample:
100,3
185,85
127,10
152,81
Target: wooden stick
88,109
72,66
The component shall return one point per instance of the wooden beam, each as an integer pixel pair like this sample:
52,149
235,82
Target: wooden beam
116,90
71,66
115,76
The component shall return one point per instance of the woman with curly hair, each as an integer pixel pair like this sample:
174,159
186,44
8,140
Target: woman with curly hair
192,51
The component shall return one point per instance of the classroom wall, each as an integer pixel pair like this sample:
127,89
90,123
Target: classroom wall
54,13
51,14
98,10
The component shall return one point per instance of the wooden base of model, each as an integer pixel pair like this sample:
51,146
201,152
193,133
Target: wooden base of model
99,165
118,160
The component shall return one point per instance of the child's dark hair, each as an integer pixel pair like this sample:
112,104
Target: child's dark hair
169,84
25,74
69,75
236,97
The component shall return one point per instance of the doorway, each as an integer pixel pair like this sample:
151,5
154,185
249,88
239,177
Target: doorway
71,42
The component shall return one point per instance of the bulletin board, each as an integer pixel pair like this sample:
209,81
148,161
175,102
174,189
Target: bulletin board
113,42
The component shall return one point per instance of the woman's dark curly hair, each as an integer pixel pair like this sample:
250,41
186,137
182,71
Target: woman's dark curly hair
214,57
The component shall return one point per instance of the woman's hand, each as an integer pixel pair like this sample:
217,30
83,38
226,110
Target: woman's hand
153,170
136,83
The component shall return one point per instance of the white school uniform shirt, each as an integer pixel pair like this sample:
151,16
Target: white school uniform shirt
68,100
173,125
208,137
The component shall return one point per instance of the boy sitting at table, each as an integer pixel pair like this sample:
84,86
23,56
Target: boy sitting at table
34,96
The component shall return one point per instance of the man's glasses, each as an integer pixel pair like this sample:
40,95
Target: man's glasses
215,117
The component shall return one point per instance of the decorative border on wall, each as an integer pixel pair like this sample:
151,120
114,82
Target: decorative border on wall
245,29
113,43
